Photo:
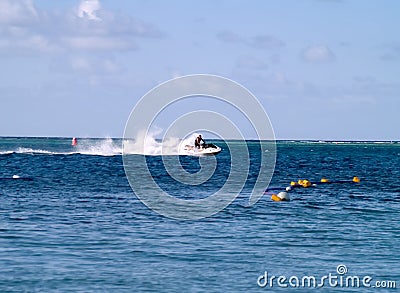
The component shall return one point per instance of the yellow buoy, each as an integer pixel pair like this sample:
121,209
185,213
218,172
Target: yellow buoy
306,183
356,179
324,180
293,183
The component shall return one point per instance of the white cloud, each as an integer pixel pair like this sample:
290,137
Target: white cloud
259,42
15,12
318,54
98,43
94,65
88,8
40,43
26,28
29,43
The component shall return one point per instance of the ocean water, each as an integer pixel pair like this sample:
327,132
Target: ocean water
72,223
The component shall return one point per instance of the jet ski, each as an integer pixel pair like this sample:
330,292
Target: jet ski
206,149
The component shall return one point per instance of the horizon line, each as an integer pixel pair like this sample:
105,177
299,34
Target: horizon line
247,139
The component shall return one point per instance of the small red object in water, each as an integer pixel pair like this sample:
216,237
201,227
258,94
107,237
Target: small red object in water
74,141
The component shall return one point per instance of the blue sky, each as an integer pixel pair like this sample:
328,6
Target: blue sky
323,69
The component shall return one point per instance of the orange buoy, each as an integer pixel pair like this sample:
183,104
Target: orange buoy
74,141
274,197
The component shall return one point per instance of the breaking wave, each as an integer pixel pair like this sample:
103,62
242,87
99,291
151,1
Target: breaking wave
106,147
95,147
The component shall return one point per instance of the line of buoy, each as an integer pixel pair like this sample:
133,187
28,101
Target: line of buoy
304,183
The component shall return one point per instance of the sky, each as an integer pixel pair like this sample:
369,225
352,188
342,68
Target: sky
322,69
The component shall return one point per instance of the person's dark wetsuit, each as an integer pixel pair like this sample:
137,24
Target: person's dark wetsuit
197,142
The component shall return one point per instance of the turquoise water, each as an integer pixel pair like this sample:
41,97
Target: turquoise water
77,226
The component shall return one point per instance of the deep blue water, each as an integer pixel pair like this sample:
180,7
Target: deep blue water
77,225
